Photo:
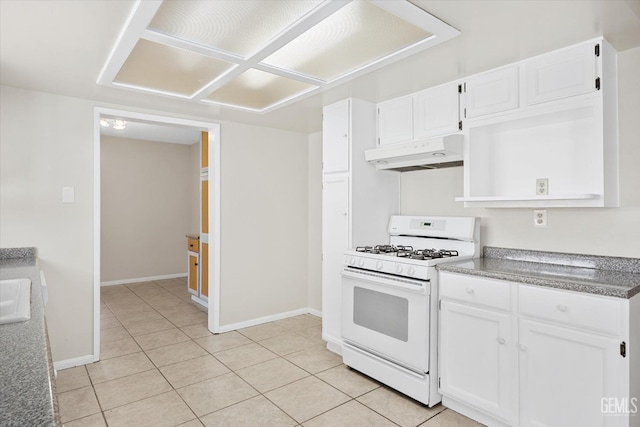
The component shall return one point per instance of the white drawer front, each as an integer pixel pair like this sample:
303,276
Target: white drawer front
475,290
597,313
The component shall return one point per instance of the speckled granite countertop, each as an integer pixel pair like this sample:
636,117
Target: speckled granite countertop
193,236
610,276
27,384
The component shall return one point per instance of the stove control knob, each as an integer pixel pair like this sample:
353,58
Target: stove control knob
352,261
399,268
379,265
411,271
360,262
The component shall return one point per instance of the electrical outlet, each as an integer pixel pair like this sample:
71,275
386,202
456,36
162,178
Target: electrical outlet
542,187
540,218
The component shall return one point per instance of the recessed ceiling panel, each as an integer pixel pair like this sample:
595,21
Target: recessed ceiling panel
168,69
356,35
240,27
255,89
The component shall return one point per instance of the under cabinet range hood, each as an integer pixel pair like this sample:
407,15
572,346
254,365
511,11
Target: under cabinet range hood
434,153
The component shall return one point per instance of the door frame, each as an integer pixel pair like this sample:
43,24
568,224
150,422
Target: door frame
213,323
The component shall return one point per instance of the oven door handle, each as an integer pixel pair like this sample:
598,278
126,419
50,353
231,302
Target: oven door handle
379,279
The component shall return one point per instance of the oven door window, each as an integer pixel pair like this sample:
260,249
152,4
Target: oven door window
380,312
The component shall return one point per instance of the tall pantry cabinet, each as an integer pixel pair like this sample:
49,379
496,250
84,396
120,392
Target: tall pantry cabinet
357,200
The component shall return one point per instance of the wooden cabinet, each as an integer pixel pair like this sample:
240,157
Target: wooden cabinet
565,131
422,115
193,277
395,121
554,359
204,271
193,245
357,201
491,92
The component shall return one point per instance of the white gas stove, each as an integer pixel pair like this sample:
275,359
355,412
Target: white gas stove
390,296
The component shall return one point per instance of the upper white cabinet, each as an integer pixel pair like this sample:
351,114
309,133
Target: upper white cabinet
436,111
395,121
562,74
335,138
550,119
422,115
491,92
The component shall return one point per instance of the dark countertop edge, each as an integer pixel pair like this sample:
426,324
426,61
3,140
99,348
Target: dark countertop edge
192,236
13,253
557,283
29,337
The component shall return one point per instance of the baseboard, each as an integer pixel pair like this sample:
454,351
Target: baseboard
267,319
143,279
71,363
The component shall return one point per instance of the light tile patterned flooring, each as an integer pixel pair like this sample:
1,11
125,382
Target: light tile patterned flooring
160,366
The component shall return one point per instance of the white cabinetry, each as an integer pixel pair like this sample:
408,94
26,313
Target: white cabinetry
547,358
563,130
492,92
357,200
422,115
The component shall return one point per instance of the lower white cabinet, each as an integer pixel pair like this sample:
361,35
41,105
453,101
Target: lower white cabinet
545,362
565,374
475,362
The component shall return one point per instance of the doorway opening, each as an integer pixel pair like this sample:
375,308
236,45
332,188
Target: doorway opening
141,126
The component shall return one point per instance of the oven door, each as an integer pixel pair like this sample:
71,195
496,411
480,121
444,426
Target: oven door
387,316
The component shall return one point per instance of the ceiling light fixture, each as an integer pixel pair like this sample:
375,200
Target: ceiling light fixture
117,124
259,56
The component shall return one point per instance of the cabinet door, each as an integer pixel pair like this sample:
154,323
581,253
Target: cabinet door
335,240
561,74
204,214
492,92
565,374
436,111
476,358
204,271
193,273
395,121
335,137
204,149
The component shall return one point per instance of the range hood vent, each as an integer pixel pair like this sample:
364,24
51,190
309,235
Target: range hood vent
434,153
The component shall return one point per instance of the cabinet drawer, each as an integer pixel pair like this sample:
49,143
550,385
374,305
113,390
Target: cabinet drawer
596,313
193,245
471,289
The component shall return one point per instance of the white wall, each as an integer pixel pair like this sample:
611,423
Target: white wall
146,208
263,221
314,232
599,231
46,142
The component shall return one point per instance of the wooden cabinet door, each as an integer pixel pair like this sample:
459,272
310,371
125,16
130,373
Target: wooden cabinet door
335,137
395,121
193,273
492,92
565,374
561,74
204,149
335,240
204,185
204,271
476,356
436,111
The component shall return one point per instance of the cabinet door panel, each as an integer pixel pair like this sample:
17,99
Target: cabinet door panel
565,374
475,360
335,137
436,111
561,74
204,271
335,240
193,274
492,92
395,121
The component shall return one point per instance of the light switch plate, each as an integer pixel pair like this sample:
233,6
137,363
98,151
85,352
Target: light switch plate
68,195
540,218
